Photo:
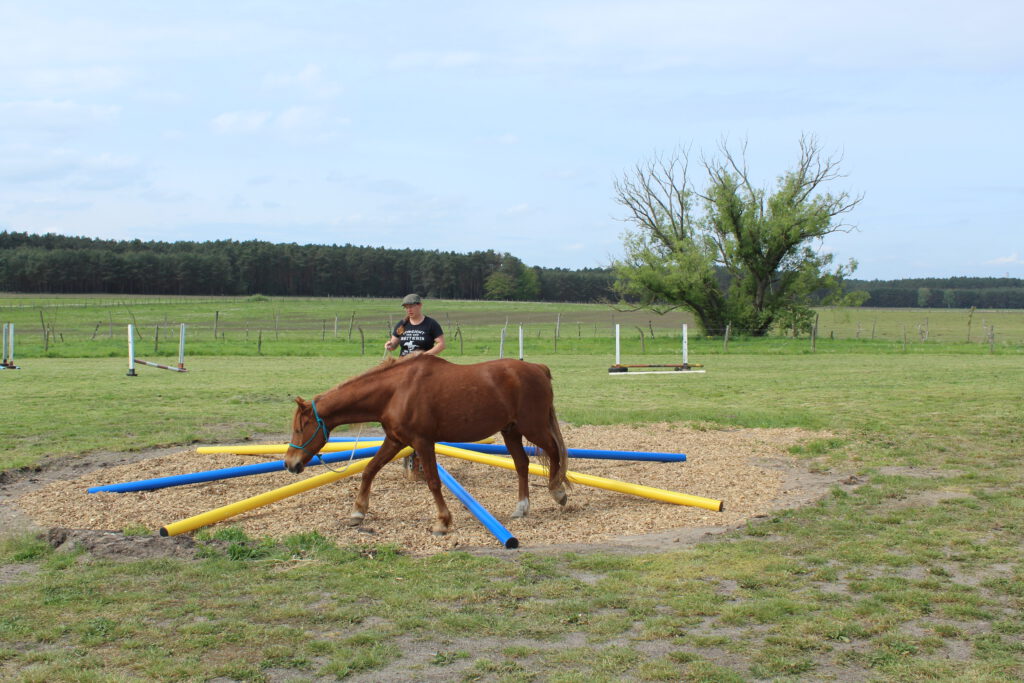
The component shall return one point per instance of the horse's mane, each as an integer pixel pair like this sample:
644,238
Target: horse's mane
383,366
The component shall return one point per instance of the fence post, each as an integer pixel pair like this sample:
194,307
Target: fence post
131,351
684,345
617,346
181,347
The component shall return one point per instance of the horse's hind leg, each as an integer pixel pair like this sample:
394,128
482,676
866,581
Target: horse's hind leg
385,453
514,443
428,459
547,443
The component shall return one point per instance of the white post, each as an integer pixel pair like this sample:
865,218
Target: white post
181,348
7,350
684,344
501,345
520,342
617,349
131,351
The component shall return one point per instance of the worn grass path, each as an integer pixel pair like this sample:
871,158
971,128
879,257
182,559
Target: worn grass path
916,574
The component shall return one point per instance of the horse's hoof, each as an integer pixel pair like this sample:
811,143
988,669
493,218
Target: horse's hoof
440,533
522,509
560,497
356,519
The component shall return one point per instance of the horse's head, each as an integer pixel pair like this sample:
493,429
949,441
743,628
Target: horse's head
309,434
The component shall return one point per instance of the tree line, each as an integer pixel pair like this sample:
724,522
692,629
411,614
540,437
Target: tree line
71,265
954,292
81,265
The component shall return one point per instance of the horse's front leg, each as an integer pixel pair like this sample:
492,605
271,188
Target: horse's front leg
428,459
385,453
514,444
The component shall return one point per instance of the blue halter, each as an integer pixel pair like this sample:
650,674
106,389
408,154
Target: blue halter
319,425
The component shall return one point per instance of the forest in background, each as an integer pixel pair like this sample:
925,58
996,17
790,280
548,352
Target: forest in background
61,264
76,265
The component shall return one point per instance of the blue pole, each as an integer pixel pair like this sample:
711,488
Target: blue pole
499,449
503,535
595,454
227,472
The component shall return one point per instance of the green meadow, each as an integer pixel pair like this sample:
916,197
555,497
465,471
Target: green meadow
914,574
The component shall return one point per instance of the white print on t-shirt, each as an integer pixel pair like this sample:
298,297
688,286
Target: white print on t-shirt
413,339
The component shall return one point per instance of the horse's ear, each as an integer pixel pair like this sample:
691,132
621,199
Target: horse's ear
303,403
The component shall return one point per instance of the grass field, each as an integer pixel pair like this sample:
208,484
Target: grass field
91,327
917,574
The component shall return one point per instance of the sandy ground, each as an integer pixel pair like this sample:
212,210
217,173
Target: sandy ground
750,470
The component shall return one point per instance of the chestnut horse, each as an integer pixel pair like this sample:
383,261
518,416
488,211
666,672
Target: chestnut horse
420,400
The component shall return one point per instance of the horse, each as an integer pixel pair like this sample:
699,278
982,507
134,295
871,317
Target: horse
420,400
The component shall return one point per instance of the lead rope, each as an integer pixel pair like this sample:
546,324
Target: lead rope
351,454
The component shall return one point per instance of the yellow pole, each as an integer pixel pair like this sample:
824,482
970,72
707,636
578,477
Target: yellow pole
233,509
276,449
590,480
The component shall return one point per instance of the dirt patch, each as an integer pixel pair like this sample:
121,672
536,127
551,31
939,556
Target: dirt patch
749,469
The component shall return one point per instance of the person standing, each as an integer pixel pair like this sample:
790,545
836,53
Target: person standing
417,332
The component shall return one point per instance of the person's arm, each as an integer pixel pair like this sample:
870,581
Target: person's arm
438,346
392,344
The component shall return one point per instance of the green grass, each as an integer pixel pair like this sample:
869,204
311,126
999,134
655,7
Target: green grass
95,327
906,577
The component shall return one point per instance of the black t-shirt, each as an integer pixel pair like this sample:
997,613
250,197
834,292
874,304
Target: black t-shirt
418,337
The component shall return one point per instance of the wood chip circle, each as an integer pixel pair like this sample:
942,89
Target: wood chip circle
750,470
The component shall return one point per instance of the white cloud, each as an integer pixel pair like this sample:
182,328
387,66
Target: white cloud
309,79
75,78
435,60
240,122
54,114
1013,259
301,118
304,122
517,210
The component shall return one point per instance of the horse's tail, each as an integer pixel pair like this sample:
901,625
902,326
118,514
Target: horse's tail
562,456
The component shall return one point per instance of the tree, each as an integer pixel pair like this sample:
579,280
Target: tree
512,280
732,253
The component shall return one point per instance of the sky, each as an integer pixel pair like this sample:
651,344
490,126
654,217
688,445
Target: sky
465,126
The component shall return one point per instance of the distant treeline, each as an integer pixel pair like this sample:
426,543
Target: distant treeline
81,265
78,265
954,292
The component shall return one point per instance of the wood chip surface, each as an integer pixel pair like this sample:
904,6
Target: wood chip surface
750,470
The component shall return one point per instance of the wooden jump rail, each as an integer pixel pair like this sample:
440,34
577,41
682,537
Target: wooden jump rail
685,366
132,360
